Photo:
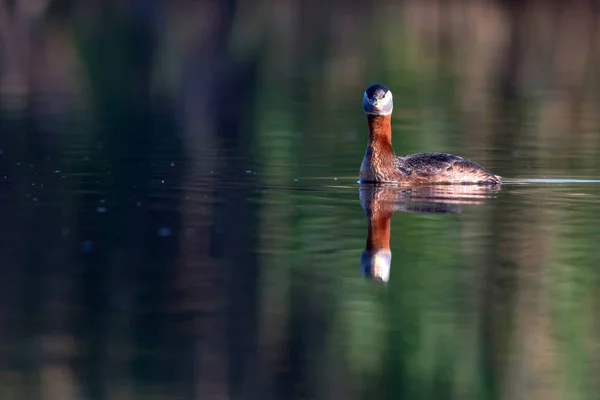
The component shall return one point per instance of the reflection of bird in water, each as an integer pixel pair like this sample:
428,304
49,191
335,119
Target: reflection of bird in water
380,202
380,163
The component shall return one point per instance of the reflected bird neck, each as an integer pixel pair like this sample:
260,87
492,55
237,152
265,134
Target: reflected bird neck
378,234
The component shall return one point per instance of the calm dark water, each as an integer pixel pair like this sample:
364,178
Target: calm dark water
140,278
181,218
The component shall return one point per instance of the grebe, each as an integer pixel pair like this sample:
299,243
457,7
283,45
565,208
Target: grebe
381,164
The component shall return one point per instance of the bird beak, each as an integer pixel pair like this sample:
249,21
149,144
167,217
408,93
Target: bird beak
375,102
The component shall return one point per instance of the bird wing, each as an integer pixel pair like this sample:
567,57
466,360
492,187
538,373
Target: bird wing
436,167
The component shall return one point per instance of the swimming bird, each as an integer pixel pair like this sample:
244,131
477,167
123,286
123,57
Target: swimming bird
380,163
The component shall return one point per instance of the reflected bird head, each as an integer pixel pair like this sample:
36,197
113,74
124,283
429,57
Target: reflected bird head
377,100
376,264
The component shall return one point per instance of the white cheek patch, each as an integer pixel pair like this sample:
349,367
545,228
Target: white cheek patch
386,105
388,97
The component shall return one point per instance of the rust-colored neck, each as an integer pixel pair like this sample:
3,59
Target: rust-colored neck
378,236
380,133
